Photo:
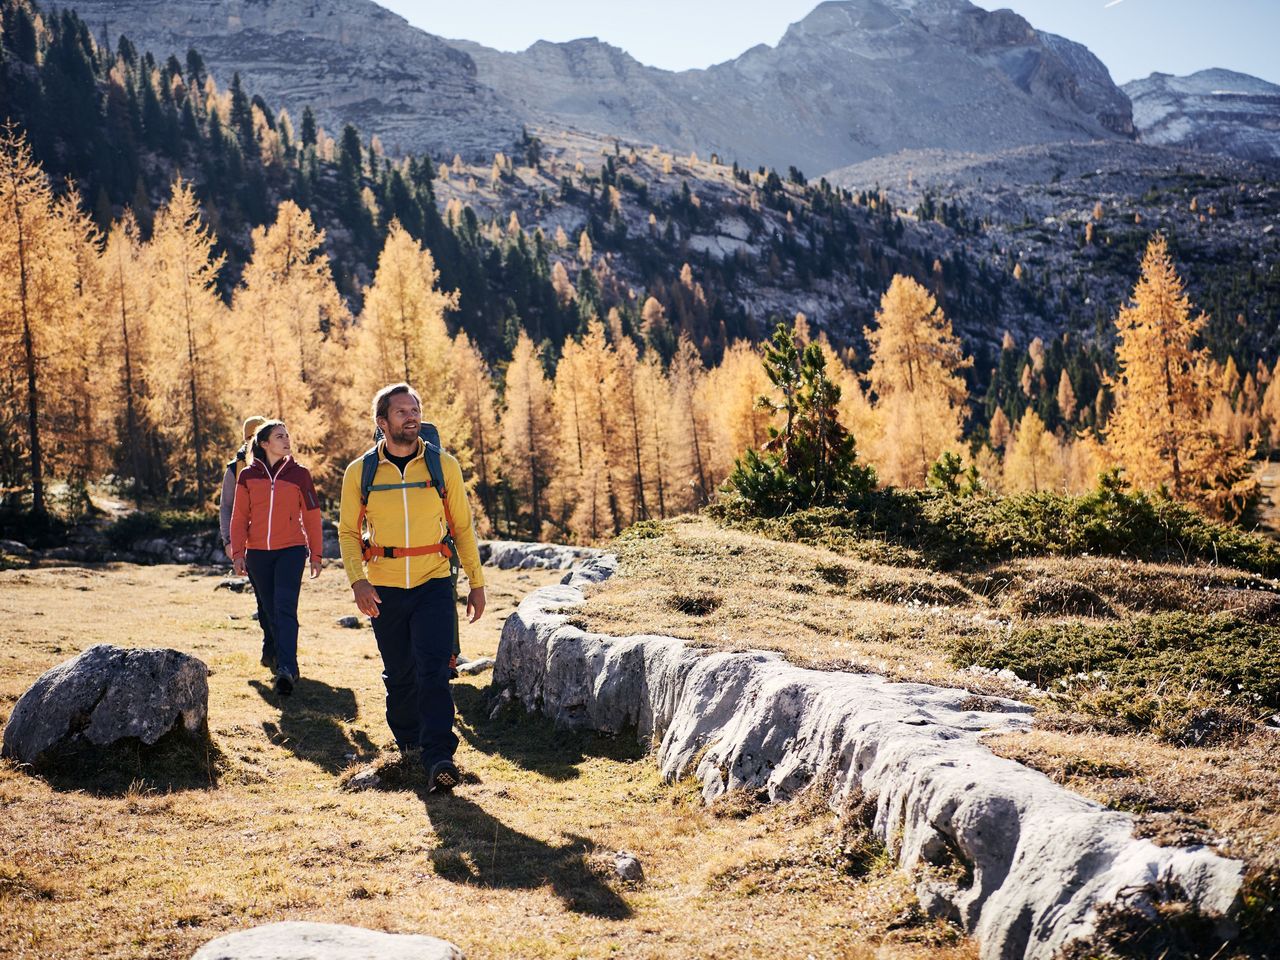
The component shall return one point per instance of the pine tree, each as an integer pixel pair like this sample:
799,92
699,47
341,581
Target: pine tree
1066,397
812,460
693,434
1159,430
915,375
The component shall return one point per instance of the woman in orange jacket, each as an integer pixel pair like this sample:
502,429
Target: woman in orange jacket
275,525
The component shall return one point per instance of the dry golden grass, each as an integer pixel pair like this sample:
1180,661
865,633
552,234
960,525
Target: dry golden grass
515,864
732,590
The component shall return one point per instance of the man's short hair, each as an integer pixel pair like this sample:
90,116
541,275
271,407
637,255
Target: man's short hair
382,399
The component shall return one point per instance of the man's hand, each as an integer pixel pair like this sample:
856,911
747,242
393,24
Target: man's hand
237,565
316,564
367,598
227,548
475,604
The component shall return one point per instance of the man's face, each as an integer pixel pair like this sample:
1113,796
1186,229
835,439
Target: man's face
402,420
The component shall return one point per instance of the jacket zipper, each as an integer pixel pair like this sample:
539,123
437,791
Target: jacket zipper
404,495
270,503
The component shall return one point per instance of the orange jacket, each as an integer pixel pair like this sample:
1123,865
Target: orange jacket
275,509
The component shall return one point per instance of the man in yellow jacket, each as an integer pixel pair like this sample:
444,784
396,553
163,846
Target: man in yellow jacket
402,578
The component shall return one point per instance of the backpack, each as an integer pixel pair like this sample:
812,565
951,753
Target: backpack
431,451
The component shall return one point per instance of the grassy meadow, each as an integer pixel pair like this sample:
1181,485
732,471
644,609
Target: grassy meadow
1156,684
153,855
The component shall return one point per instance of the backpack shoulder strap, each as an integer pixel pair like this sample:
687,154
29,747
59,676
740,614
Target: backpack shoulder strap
368,467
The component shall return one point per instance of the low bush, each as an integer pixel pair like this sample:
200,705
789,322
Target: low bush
940,530
1187,677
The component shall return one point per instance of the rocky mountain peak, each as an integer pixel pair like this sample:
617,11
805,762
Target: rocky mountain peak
1218,111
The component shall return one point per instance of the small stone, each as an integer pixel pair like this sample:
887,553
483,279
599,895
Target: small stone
366,779
627,866
351,622
499,703
234,584
479,665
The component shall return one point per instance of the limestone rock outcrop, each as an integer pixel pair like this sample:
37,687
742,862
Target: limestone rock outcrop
105,695
1039,863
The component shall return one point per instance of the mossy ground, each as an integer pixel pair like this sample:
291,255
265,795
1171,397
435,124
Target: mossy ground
157,855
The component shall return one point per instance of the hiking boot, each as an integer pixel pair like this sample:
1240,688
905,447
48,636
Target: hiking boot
284,684
269,661
444,776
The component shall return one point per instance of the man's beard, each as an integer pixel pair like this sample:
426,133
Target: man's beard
405,436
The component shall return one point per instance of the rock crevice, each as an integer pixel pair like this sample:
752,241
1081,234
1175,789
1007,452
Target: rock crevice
1037,862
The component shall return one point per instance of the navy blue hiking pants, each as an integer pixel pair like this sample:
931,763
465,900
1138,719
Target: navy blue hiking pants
276,576
264,617
414,628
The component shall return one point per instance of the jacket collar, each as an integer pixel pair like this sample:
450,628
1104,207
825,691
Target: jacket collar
382,449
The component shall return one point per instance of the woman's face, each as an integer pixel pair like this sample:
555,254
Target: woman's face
277,445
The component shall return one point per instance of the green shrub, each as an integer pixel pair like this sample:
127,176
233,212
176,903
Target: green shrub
1189,677
932,528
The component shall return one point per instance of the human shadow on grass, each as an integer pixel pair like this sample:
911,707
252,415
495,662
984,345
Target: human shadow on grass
533,742
476,848
178,761
311,723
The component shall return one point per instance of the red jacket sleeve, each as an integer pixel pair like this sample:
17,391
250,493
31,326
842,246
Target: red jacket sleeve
311,515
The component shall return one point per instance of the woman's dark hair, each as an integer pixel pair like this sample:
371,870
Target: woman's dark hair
261,437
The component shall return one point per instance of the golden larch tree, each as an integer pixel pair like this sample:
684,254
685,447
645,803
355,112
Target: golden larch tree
915,376
528,432
1159,430
402,335
473,384
125,307
1034,460
692,448
38,301
188,354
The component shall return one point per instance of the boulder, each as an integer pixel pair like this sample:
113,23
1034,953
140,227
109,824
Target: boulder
1023,864
234,584
295,940
351,622
14,548
105,695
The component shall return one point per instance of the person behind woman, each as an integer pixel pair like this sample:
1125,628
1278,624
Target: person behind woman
275,524
242,460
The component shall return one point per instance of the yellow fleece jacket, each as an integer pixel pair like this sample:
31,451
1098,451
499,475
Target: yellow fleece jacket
412,517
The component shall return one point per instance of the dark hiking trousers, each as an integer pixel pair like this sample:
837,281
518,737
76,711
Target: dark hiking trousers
277,576
264,619
414,628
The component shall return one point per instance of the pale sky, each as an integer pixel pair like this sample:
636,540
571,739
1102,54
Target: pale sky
1132,37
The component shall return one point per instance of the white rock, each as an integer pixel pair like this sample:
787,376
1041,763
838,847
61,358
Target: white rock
1044,861
324,941
479,665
